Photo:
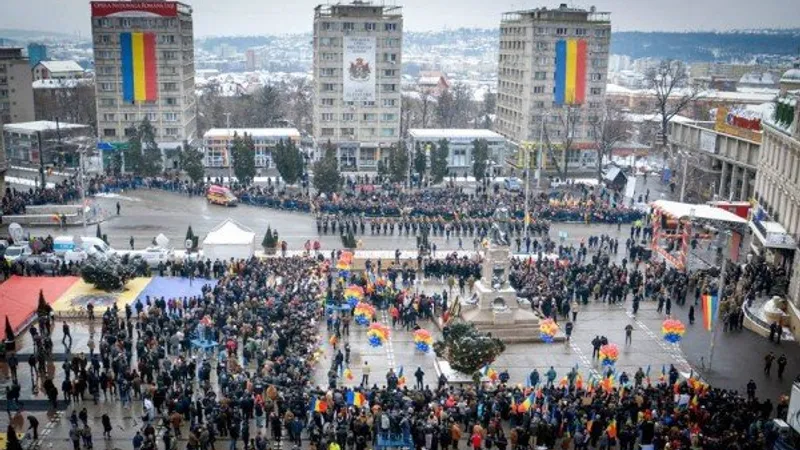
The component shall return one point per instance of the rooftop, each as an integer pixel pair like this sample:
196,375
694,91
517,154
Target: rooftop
61,66
254,132
563,13
40,126
458,133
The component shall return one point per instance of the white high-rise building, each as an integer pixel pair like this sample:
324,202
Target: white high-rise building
551,61
357,66
144,68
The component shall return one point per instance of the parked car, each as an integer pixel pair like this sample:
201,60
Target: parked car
512,184
153,255
46,262
16,252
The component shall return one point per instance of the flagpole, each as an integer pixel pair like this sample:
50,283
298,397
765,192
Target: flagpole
720,290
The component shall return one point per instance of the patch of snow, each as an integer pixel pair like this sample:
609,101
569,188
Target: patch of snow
116,196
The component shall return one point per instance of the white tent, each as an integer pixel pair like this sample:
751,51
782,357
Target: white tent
229,240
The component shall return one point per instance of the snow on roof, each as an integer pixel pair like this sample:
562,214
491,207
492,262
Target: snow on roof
61,66
686,210
254,132
746,96
57,83
230,232
640,118
764,78
40,125
612,173
428,80
452,133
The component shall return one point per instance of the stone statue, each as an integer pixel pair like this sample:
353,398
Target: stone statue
499,232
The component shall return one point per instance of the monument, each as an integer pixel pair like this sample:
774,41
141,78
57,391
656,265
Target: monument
495,308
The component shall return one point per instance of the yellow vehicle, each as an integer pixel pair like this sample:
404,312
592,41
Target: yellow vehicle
220,195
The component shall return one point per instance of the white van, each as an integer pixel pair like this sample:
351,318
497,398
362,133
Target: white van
66,246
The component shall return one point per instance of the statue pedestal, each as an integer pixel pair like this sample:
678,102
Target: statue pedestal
497,310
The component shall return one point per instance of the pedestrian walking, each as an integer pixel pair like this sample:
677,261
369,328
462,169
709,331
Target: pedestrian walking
118,208
365,374
131,242
628,334
33,425
691,315
67,337
768,359
781,365
106,420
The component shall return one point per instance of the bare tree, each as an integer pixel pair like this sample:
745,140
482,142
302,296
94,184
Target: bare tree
608,130
407,115
425,107
670,83
567,120
454,107
297,102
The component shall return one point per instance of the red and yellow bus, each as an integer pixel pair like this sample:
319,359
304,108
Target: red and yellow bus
220,195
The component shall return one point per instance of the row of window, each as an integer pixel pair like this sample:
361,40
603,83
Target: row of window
136,22
111,102
387,102
168,132
352,26
112,87
162,70
163,39
336,41
151,116
333,56
351,117
331,72
557,31
331,87
168,55
364,132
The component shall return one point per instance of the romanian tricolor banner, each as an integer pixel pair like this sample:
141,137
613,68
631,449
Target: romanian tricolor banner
710,305
570,77
139,79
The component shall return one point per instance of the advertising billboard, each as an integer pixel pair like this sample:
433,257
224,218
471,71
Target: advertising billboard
134,9
358,69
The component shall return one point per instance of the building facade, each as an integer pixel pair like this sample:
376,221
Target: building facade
357,67
16,91
36,53
721,158
460,144
43,142
552,73
144,69
217,144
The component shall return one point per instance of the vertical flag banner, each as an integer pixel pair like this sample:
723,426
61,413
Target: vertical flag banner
709,311
139,78
358,62
570,76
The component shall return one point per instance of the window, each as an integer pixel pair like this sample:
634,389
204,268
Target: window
109,132
389,102
594,104
169,87
597,77
541,46
130,131
595,91
327,102
327,131
328,26
540,76
348,132
105,54
600,33
107,102
387,117
328,87
389,87
169,56
327,72
348,26
390,26
370,26
561,31
390,57
107,87
392,42
171,131
327,117
348,117
538,104
171,101
541,30
368,132
580,32
389,72
170,117
369,117
151,116
328,56
386,132
107,70
166,39
538,89
109,117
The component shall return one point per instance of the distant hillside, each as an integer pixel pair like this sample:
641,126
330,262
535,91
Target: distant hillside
706,46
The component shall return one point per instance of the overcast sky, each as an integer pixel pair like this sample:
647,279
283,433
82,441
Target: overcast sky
247,17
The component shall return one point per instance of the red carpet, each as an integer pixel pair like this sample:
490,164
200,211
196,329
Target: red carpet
20,295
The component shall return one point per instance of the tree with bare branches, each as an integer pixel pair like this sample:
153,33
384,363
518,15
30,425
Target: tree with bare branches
564,136
608,129
669,81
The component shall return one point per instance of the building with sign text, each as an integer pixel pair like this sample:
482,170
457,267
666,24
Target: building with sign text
357,65
144,69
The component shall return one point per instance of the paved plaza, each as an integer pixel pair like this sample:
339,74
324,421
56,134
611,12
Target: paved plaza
145,213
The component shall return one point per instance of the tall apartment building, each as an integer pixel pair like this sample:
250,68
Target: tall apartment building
553,64
357,65
16,90
144,68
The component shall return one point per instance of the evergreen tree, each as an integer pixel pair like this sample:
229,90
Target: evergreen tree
466,348
420,161
9,331
480,158
133,154
152,163
398,163
267,241
327,178
99,233
439,158
191,162
288,161
244,158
